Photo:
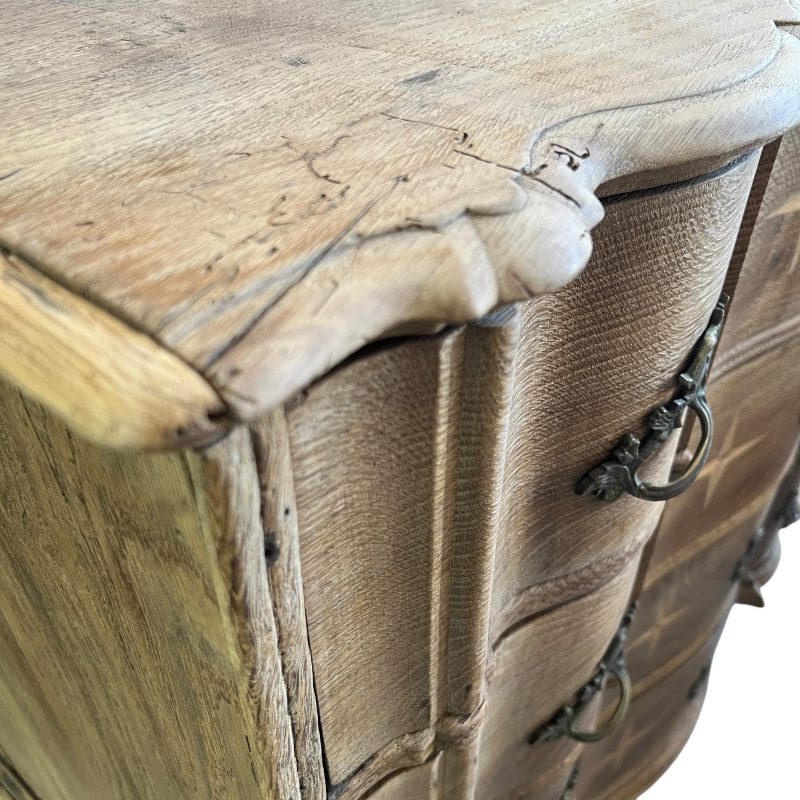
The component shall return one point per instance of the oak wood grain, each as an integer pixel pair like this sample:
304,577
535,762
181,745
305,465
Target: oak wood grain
374,457
435,477
525,690
373,577
593,360
111,383
121,673
226,481
265,188
661,719
418,783
282,554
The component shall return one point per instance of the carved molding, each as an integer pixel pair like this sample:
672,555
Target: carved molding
421,252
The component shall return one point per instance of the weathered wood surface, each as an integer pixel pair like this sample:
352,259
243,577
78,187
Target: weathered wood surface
434,481
227,484
205,206
375,451
265,187
65,352
661,719
126,668
704,534
433,529
282,554
535,669
593,360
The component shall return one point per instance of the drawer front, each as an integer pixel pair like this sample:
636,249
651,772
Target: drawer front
375,449
435,482
535,670
766,308
703,548
593,361
704,533
661,718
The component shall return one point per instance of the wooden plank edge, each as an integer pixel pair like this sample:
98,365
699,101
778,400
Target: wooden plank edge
112,384
226,485
273,461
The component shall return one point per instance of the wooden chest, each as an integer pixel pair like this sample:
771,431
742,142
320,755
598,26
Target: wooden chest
396,396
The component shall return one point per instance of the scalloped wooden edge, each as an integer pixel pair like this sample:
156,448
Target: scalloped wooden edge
113,385
418,281
120,388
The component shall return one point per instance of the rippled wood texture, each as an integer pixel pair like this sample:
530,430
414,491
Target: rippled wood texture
333,257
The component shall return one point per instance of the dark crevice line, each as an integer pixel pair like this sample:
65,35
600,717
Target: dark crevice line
540,612
326,769
675,186
554,189
261,532
619,560
83,295
10,769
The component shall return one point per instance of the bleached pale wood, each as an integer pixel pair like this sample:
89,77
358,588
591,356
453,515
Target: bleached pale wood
111,383
282,553
592,359
689,588
264,188
415,462
374,459
489,360
525,691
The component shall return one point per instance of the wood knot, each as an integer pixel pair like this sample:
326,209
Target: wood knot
272,549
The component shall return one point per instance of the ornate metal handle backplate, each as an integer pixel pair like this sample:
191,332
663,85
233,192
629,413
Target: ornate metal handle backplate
613,665
617,475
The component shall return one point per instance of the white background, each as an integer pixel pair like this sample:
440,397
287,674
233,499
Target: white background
746,745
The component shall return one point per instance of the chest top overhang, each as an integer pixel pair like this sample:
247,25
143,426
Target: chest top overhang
205,205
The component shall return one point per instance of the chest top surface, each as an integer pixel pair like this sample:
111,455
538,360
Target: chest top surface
237,195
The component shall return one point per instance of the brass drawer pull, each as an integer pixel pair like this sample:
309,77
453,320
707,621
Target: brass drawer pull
791,512
565,721
623,677
617,475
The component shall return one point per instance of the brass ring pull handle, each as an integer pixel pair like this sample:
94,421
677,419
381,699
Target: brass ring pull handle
620,712
649,491
564,723
617,475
